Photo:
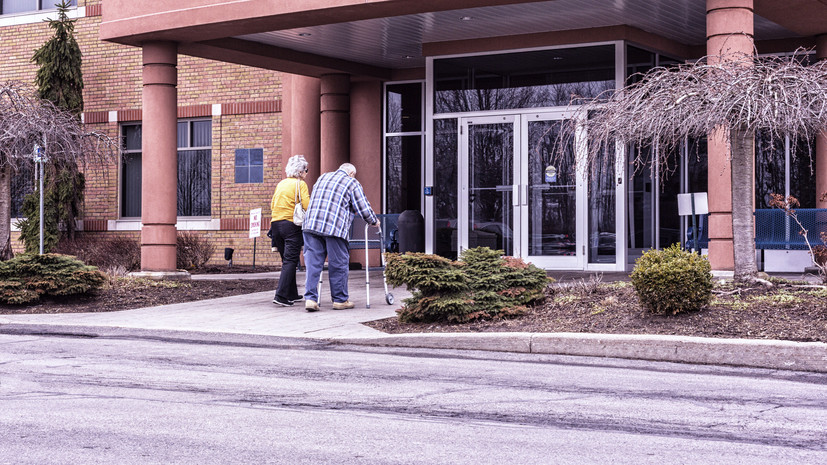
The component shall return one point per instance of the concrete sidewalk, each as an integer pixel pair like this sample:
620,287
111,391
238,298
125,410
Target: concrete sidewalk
255,319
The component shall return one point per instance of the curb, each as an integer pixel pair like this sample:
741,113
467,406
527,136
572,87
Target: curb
753,353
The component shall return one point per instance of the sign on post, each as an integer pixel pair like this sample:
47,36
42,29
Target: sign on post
692,204
255,223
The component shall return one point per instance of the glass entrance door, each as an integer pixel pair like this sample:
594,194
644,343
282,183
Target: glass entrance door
552,197
521,193
487,168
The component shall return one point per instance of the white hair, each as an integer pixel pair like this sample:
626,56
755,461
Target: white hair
348,168
296,165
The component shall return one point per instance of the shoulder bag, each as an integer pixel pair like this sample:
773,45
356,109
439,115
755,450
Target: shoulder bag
298,211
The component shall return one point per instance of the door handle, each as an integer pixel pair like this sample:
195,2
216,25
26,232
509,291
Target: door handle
515,195
525,194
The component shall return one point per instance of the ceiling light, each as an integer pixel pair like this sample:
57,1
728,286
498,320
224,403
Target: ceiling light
466,18
304,34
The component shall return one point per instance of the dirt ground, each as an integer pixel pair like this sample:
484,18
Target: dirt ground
789,311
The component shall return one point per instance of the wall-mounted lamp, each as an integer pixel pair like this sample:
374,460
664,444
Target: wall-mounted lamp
228,255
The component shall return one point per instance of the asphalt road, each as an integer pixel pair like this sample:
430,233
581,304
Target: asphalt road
112,400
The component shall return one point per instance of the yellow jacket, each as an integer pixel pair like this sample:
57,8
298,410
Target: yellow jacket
284,199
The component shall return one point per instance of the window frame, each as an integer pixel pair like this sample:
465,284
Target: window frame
39,7
189,146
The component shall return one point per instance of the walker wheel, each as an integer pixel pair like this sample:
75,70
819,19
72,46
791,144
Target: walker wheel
389,298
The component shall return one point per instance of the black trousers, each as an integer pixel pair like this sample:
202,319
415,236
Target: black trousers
287,238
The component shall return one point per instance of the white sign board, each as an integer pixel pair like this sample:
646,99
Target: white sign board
255,223
685,204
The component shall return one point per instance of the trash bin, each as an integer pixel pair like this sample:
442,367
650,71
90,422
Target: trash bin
411,227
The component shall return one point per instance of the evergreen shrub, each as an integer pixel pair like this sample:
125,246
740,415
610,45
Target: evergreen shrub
672,280
27,277
481,285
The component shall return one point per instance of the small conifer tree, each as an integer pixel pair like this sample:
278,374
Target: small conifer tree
60,80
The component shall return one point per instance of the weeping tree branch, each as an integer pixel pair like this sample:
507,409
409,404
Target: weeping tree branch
734,95
26,121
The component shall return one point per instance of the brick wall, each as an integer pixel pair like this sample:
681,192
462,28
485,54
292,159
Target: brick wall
250,100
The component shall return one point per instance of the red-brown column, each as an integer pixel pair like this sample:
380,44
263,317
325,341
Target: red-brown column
729,35
159,156
300,115
335,121
366,146
821,141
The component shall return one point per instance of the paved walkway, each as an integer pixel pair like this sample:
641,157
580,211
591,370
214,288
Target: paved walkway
247,314
255,317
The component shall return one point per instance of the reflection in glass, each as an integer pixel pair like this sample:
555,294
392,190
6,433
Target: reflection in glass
552,212
402,181
404,108
770,169
542,78
641,219
490,184
669,221
194,172
602,239
22,184
445,187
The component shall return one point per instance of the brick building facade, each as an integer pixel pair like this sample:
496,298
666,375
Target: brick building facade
242,103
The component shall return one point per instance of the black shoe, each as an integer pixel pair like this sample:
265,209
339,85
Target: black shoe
296,299
282,302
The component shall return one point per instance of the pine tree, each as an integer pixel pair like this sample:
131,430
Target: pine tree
60,80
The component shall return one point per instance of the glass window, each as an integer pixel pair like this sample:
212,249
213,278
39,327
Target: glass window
131,171
638,62
403,147
404,159
194,176
249,165
446,145
8,7
771,158
404,108
544,78
194,169
22,184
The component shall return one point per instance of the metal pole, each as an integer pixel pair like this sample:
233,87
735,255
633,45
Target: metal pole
41,207
695,231
254,253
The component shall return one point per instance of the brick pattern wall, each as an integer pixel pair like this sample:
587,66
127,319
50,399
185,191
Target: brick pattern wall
250,101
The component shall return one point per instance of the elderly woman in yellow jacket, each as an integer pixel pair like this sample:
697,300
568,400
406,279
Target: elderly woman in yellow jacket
286,236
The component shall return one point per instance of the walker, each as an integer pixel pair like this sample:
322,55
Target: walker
388,295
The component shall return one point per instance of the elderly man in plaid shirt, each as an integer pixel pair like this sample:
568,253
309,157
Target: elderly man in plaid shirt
336,198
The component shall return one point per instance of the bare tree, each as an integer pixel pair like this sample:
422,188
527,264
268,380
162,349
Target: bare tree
26,121
734,96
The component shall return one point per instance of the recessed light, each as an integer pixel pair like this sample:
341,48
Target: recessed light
466,18
408,57
304,34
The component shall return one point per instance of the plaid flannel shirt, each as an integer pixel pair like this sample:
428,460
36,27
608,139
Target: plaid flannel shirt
336,198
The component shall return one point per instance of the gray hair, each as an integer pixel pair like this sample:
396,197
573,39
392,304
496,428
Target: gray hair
296,165
348,168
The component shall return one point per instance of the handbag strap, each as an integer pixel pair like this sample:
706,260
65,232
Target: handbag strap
298,188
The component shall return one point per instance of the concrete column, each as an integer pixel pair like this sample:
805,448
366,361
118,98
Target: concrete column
821,141
366,148
300,118
335,121
729,35
159,185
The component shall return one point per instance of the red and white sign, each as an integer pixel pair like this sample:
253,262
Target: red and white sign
255,223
